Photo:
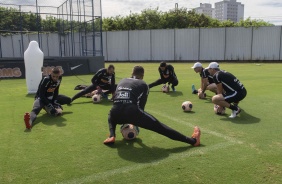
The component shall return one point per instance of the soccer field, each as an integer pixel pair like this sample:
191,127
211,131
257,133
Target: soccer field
70,149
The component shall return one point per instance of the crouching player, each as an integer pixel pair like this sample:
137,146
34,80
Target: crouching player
47,98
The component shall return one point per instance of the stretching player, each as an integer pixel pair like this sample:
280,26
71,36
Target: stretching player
129,103
230,91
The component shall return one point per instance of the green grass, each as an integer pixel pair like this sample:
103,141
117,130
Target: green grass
69,149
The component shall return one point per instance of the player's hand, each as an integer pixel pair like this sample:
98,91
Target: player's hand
58,105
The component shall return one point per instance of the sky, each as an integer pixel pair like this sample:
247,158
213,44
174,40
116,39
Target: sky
267,10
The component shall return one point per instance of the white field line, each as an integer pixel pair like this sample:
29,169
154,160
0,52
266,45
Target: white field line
174,156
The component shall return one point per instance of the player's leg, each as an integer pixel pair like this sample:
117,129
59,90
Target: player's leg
212,87
37,107
174,83
156,83
62,99
147,121
88,89
113,115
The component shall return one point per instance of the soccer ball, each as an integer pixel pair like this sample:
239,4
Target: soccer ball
59,112
129,131
187,106
165,89
96,98
202,95
219,110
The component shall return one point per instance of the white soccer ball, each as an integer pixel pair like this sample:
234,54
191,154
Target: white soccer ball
218,109
129,131
202,95
96,98
59,112
187,106
165,89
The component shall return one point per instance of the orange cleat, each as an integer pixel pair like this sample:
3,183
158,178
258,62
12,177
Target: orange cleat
27,121
110,140
196,135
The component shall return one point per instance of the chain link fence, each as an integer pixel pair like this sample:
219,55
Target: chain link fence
62,28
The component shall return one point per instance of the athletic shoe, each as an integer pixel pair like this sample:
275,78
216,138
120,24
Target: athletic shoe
27,121
105,96
196,135
194,91
110,140
234,113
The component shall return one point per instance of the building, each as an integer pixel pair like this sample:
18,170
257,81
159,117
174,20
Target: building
229,10
206,9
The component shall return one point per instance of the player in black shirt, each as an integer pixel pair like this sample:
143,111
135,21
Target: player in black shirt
230,91
129,103
207,82
104,79
47,97
167,74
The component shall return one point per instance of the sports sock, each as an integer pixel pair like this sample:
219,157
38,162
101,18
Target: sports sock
233,107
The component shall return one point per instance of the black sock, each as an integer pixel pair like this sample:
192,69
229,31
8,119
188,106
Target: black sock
233,107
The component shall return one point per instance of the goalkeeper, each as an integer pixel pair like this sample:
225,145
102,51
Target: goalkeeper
47,98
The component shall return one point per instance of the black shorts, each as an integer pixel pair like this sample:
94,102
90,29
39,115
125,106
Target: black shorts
234,96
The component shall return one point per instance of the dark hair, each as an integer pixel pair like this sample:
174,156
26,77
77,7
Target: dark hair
162,64
56,70
138,71
111,66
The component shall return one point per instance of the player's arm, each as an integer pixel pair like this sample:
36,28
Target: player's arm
43,87
144,97
98,75
161,73
219,88
204,84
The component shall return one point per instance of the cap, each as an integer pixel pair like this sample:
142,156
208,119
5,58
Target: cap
197,65
213,65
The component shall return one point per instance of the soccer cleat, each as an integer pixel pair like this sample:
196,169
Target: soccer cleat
110,140
196,135
27,121
234,113
194,91
105,96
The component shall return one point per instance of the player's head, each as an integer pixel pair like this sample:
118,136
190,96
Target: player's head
55,74
162,65
213,68
138,72
197,67
111,69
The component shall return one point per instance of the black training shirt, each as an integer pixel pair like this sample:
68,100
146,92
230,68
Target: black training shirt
132,91
229,81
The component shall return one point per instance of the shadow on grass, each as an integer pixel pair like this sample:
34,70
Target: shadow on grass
243,118
171,93
30,95
49,120
142,153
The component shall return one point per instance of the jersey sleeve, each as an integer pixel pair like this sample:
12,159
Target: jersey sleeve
43,86
97,76
144,97
216,78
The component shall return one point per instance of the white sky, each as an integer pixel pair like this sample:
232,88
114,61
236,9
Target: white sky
267,10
